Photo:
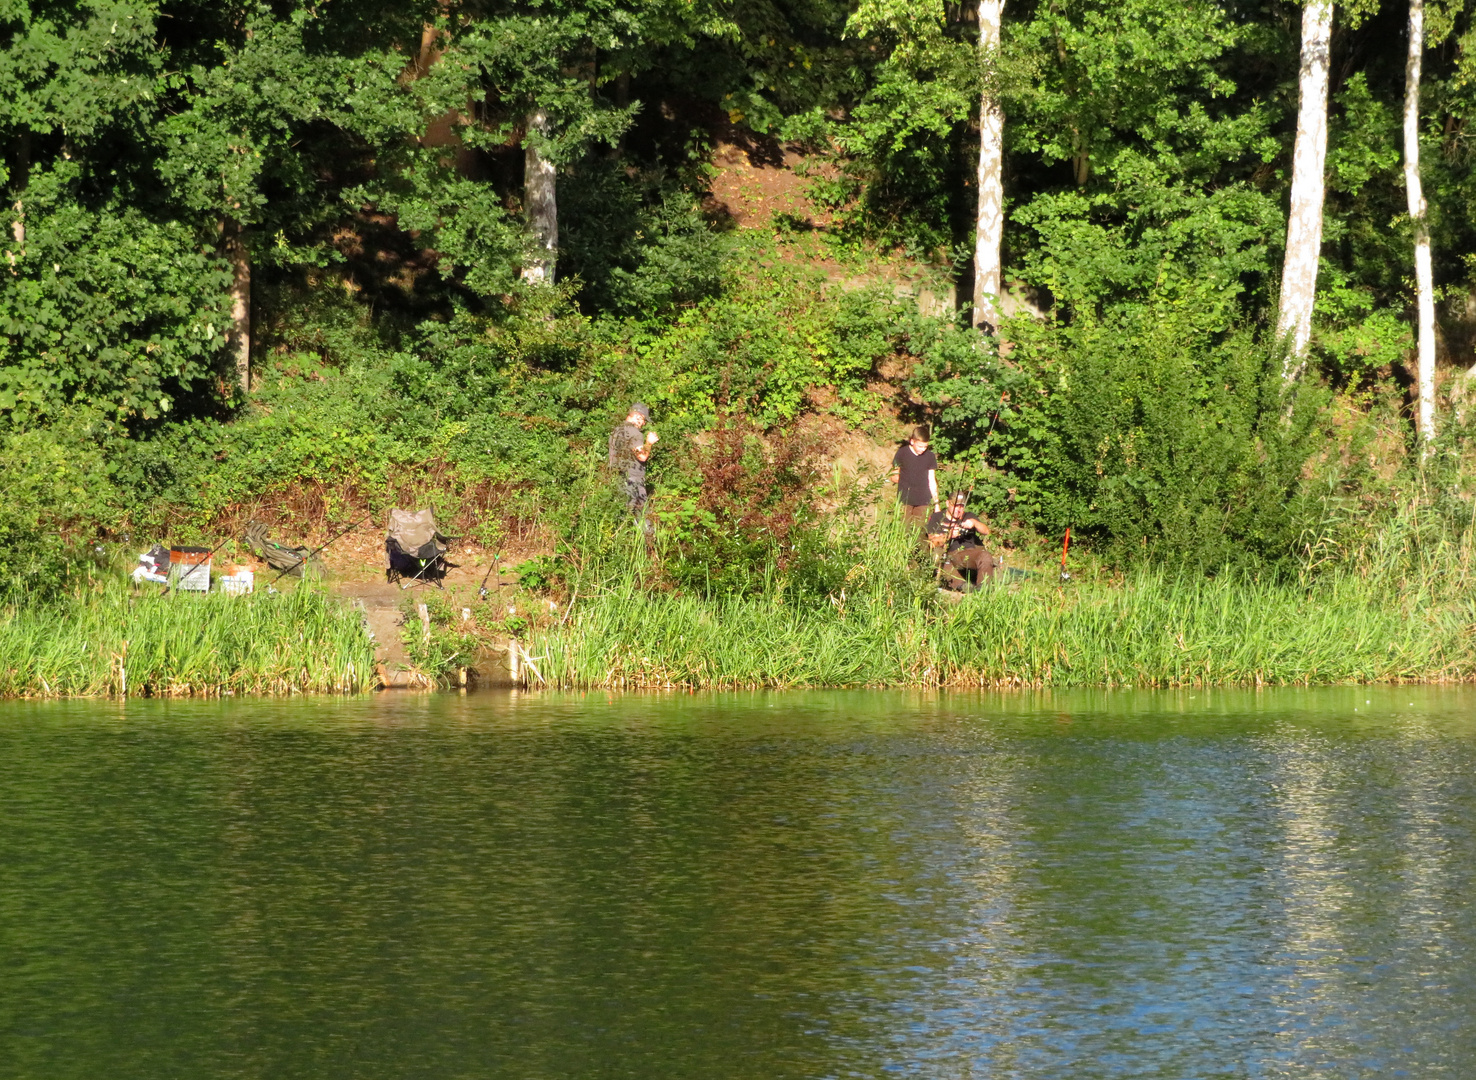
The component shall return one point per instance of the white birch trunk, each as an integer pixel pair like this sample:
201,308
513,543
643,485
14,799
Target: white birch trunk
540,202
240,335
1424,276
989,230
1304,224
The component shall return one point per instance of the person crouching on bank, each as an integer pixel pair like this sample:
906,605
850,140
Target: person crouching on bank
960,536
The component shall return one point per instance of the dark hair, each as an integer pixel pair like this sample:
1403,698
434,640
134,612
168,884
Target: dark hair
923,432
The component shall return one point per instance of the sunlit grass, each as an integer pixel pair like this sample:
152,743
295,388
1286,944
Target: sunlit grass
108,641
1152,630
1398,611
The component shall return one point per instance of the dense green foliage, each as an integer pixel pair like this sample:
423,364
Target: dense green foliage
365,159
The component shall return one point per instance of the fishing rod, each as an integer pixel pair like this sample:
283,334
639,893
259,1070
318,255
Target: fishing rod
955,528
993,419
203,562
192,569
306,558
482,592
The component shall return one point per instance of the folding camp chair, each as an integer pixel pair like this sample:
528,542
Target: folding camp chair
414,547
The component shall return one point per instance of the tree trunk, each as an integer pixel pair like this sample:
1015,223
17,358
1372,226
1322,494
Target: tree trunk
239,339
429,52
1304,224
622,101
1424,277
989,231
540,202
20,176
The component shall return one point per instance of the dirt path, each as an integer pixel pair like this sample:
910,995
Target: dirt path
387,607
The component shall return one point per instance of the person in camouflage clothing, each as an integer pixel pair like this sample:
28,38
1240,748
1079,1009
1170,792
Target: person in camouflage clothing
630,449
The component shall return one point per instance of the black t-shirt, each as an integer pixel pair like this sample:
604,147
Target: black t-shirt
940,522
912,475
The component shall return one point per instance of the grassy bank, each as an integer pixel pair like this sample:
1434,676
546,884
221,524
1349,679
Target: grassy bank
109,642
1396,606
1152,630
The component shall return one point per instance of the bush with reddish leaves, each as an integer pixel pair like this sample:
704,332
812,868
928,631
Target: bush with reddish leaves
752,515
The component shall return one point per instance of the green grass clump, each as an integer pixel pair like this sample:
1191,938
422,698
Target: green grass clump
109,641
1151,630
1396,610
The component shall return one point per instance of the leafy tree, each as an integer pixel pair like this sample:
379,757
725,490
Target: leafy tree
535,72
107,301
1161,149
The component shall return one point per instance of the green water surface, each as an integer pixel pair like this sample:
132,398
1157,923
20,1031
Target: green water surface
1130,884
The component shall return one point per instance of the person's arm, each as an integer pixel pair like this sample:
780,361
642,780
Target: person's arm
975,524
933,486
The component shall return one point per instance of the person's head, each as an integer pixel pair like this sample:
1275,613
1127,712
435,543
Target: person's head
920,437
956,503
639,413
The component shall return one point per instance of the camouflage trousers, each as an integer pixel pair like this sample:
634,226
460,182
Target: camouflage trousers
635,496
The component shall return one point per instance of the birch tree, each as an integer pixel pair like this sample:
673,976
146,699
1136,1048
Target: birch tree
1304,222
1414,194
540,200
989,226
239,338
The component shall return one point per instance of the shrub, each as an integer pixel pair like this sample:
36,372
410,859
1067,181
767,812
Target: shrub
639,246
1149,437
751,513
56,489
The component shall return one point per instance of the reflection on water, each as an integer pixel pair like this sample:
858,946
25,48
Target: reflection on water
825,885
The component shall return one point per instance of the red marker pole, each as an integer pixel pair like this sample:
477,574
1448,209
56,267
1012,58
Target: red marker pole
1065,547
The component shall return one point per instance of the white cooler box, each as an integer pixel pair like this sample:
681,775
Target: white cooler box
189,569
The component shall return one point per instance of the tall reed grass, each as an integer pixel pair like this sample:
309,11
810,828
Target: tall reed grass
111,642
1152,630
1397,610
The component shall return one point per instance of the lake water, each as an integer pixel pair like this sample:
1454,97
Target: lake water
1207,884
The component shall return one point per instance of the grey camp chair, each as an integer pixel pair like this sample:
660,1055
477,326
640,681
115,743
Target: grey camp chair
415,547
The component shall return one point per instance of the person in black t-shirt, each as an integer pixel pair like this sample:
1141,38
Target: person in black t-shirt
915,471
960,535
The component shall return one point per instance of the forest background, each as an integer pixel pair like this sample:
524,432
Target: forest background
298,260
